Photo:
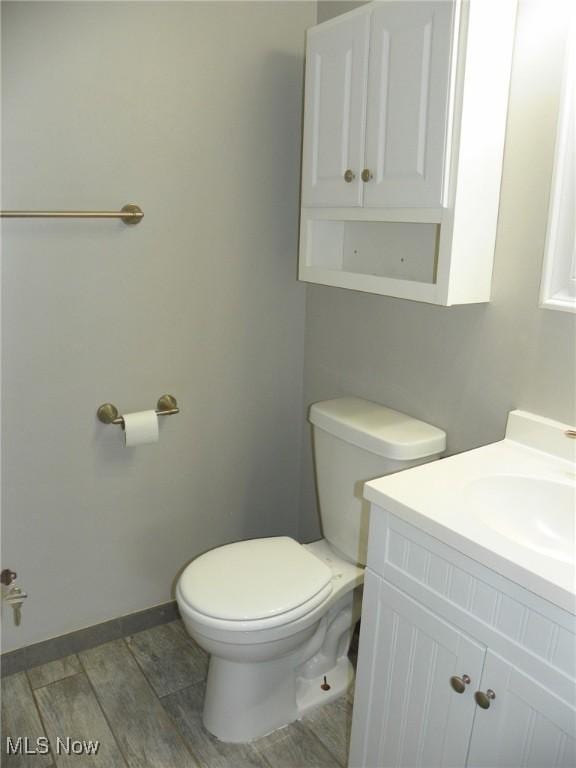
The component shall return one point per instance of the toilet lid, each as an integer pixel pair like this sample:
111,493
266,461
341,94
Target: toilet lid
254,579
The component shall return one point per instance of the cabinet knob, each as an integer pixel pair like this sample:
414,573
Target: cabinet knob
349,176
459,683
483,699
367,175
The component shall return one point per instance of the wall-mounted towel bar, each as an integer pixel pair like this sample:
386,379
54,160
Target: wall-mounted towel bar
108,413
129,214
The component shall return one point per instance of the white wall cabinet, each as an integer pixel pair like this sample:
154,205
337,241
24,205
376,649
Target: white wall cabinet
408,88
336,70
404,123
387,120
431,615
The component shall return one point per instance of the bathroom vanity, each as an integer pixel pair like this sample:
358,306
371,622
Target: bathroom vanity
468,644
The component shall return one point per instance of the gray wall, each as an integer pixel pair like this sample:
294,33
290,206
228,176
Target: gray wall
193,111
464,368
327,9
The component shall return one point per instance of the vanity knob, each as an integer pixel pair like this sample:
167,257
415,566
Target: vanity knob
459,683
367,175
349,176
483,699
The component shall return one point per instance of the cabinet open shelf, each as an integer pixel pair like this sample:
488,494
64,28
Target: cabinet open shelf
393,257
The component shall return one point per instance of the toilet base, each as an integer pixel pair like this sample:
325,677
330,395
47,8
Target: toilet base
259,700
247,700
311,694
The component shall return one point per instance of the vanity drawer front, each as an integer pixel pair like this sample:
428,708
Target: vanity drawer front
494,610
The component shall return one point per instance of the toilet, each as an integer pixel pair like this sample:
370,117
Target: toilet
277,616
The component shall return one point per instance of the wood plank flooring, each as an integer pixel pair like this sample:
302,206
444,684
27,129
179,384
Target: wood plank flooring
69,709
141,697
20,718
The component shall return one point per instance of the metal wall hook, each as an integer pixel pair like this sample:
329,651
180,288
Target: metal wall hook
108,413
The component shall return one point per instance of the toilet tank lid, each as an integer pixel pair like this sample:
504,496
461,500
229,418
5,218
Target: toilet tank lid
378,429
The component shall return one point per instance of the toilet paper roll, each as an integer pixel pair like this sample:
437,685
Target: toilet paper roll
141,428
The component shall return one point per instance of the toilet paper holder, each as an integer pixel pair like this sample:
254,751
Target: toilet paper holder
108,413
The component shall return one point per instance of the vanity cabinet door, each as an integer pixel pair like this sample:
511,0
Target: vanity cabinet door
406,712
408,86
524,725
335,112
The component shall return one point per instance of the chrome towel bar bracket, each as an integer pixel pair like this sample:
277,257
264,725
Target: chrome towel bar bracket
108,413
129,214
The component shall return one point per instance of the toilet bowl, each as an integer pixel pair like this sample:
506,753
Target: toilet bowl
277,616
270,650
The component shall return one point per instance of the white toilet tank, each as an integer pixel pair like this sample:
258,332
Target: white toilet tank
356,440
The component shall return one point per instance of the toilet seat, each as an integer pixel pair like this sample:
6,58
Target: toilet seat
255,584
254,625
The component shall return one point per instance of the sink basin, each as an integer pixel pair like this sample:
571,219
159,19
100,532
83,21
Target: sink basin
510,505
533,512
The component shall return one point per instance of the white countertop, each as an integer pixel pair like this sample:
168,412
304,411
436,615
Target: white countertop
437,498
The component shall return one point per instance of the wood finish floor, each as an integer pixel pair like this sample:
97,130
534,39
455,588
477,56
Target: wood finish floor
141,698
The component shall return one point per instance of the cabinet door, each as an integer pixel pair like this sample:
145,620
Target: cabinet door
406,714
335,112
408,86
525,725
